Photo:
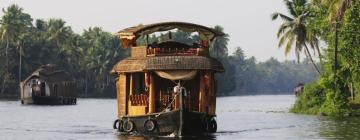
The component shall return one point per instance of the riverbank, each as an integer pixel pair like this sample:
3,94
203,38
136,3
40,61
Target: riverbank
317,99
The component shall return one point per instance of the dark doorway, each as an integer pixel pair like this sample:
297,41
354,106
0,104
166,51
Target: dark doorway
42,89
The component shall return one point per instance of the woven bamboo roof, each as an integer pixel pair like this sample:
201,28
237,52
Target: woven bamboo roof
129,65
51,73
168,63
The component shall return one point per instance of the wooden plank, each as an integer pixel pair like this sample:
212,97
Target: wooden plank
121,94
137,110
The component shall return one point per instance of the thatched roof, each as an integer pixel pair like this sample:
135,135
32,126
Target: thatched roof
51,73
168,63
129,65
132,33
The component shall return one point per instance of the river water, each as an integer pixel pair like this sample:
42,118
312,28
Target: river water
243,117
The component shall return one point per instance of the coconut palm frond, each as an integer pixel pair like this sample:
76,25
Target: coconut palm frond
290,7
282,16
289,44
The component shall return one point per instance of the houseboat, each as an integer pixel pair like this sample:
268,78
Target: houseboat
166,88
48,85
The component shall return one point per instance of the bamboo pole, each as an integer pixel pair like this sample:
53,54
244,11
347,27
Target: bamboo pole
152,94
131,92
181,109
212,101
131,84
202,94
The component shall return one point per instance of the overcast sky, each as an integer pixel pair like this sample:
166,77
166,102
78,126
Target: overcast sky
247,22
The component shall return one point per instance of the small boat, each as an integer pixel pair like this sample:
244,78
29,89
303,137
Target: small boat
166,88
48,85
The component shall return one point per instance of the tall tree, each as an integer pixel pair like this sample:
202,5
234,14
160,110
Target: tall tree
294,29
60,35
14,24
219,48
336,8
336,11
101,52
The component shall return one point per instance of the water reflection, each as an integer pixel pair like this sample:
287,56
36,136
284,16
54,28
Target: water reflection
165,138
348,128
245,117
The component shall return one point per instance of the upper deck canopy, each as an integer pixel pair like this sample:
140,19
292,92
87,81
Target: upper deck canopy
132,33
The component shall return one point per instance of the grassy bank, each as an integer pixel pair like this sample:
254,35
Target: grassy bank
336,92
316,99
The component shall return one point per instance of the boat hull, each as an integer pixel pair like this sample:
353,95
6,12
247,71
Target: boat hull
168,123
49,100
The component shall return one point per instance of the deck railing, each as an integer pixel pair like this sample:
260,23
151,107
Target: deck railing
139,100
177,51
144,51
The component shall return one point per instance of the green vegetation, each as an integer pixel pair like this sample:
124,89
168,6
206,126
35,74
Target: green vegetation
25,46
27,43
310,100
245,75
337,24
271,76
294,30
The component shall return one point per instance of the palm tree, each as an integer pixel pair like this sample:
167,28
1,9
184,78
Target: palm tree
57,31
219,46
100,53
19,45
59,35
336,8
14,24
294,29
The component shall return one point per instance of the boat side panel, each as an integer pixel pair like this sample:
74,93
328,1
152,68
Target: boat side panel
121,95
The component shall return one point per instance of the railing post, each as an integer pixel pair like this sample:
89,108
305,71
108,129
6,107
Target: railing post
181,111
152,95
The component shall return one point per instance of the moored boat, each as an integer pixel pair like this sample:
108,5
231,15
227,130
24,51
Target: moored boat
167,88
48,85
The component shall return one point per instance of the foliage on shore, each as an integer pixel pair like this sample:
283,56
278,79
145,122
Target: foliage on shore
27,43
324,96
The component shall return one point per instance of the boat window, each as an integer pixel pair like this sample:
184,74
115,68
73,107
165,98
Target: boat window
43,89
138,83
55,89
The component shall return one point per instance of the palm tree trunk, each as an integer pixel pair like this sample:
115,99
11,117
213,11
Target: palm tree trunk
336,54
319,53
86,83
351,86
6,67
6,54
312,61
3,84
20,51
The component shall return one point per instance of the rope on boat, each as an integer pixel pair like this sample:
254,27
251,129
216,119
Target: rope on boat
177,89
168,106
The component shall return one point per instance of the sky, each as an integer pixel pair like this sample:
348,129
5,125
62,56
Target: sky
247,22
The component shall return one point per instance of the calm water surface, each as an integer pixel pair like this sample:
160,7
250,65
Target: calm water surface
244,117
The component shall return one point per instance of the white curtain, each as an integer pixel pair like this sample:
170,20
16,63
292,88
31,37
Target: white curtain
177,74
